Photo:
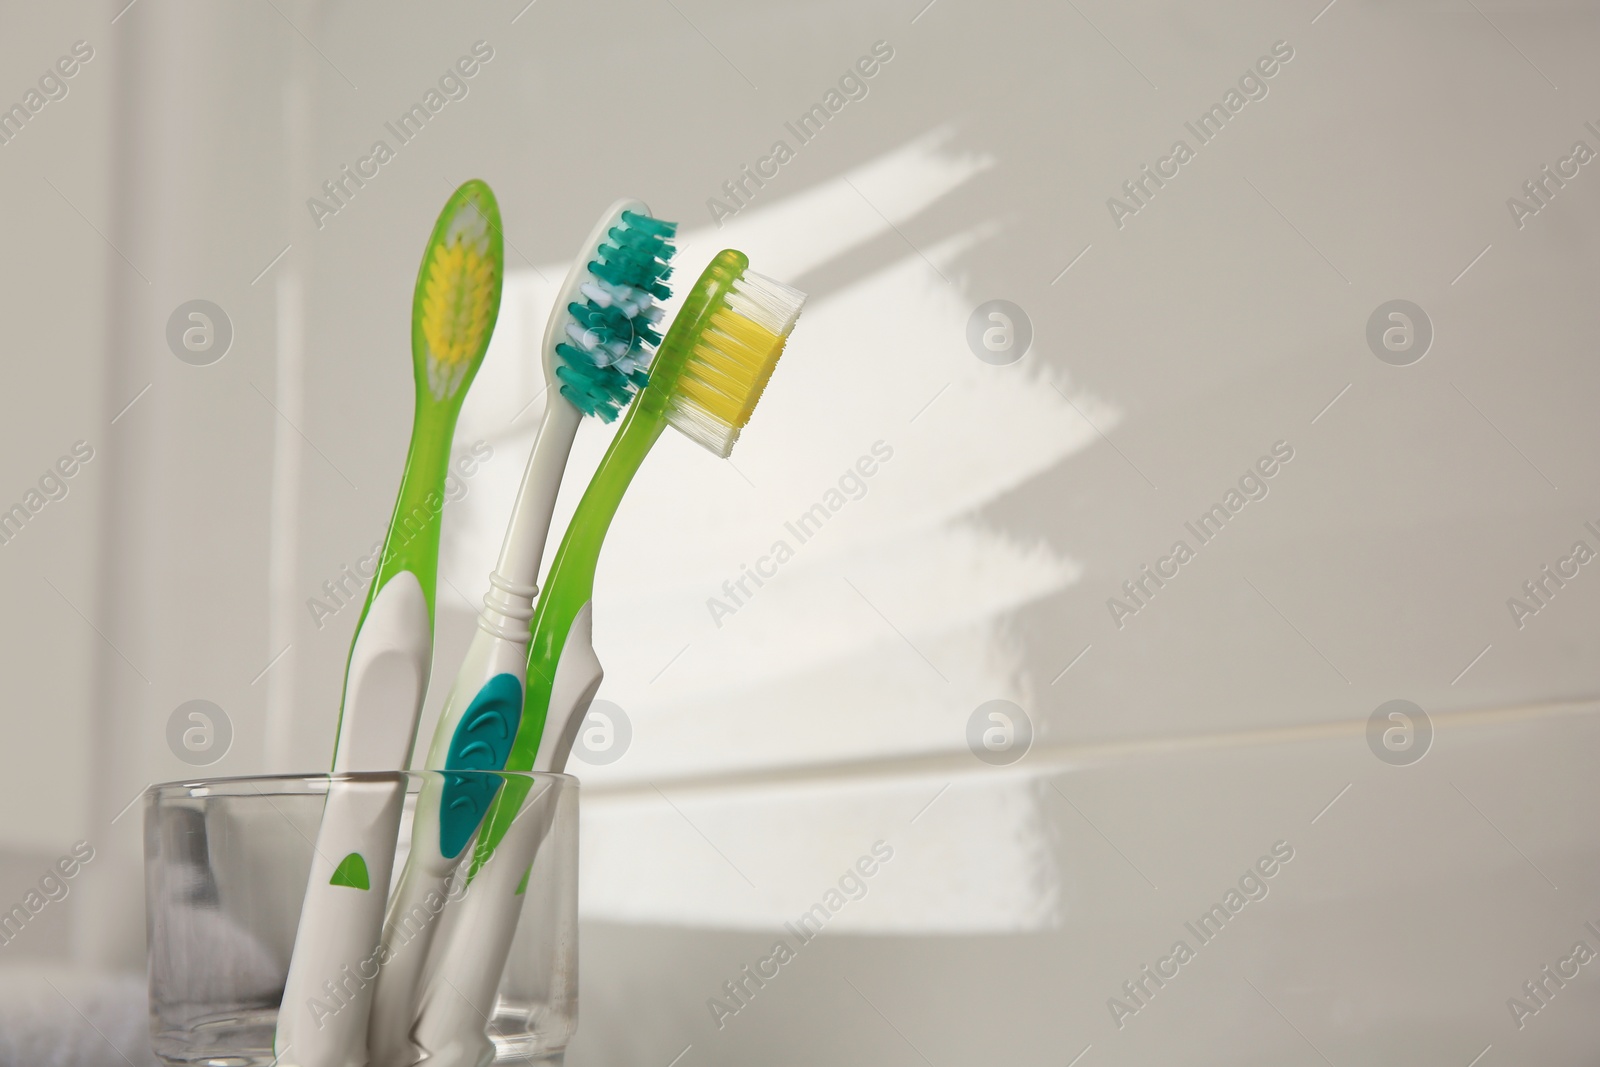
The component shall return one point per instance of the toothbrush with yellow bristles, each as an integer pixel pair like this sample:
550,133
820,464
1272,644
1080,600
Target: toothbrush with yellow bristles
327,998
707,376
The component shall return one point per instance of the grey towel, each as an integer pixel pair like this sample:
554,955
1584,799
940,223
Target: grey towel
61,1017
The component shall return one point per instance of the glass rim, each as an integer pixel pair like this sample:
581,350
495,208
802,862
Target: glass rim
315,784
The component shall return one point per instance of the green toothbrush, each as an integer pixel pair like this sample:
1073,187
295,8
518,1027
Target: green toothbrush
454,307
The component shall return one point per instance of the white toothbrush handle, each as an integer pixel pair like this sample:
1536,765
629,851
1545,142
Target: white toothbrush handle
415,908
451,1028
523,548
327,998
472,954
578,677
475,731
323,1018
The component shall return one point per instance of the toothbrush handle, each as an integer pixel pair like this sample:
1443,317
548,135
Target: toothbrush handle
415,909
323,1018
577,679
523,548
473,950
554,707
327,998
473,748
451,1030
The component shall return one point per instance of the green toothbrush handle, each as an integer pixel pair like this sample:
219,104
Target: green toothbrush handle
412,543
571,581
411,548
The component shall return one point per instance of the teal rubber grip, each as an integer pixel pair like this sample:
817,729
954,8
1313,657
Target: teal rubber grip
481,744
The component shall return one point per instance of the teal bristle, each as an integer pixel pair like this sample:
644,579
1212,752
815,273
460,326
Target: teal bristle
612,334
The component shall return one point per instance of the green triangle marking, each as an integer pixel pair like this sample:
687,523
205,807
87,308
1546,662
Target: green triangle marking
522,886
352,871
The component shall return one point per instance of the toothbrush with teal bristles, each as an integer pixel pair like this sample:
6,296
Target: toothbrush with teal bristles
596,346
707,377
326,1001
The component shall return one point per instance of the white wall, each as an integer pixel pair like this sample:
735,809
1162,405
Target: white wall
772,750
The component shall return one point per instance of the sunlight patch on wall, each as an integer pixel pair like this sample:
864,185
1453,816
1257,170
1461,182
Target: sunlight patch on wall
974,861
881,617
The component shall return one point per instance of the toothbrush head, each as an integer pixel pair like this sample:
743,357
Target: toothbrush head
457,297
721,350
600,337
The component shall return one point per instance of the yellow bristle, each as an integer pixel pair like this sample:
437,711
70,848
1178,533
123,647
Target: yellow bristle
731,356
457,309
730,367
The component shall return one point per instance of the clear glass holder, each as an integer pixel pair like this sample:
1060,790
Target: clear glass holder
226,867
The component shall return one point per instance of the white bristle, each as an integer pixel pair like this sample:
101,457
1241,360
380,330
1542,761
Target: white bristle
596,293
692,421
626,299
469,226
635,361
766,302
584,339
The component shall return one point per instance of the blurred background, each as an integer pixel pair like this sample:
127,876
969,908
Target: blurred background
1368,272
